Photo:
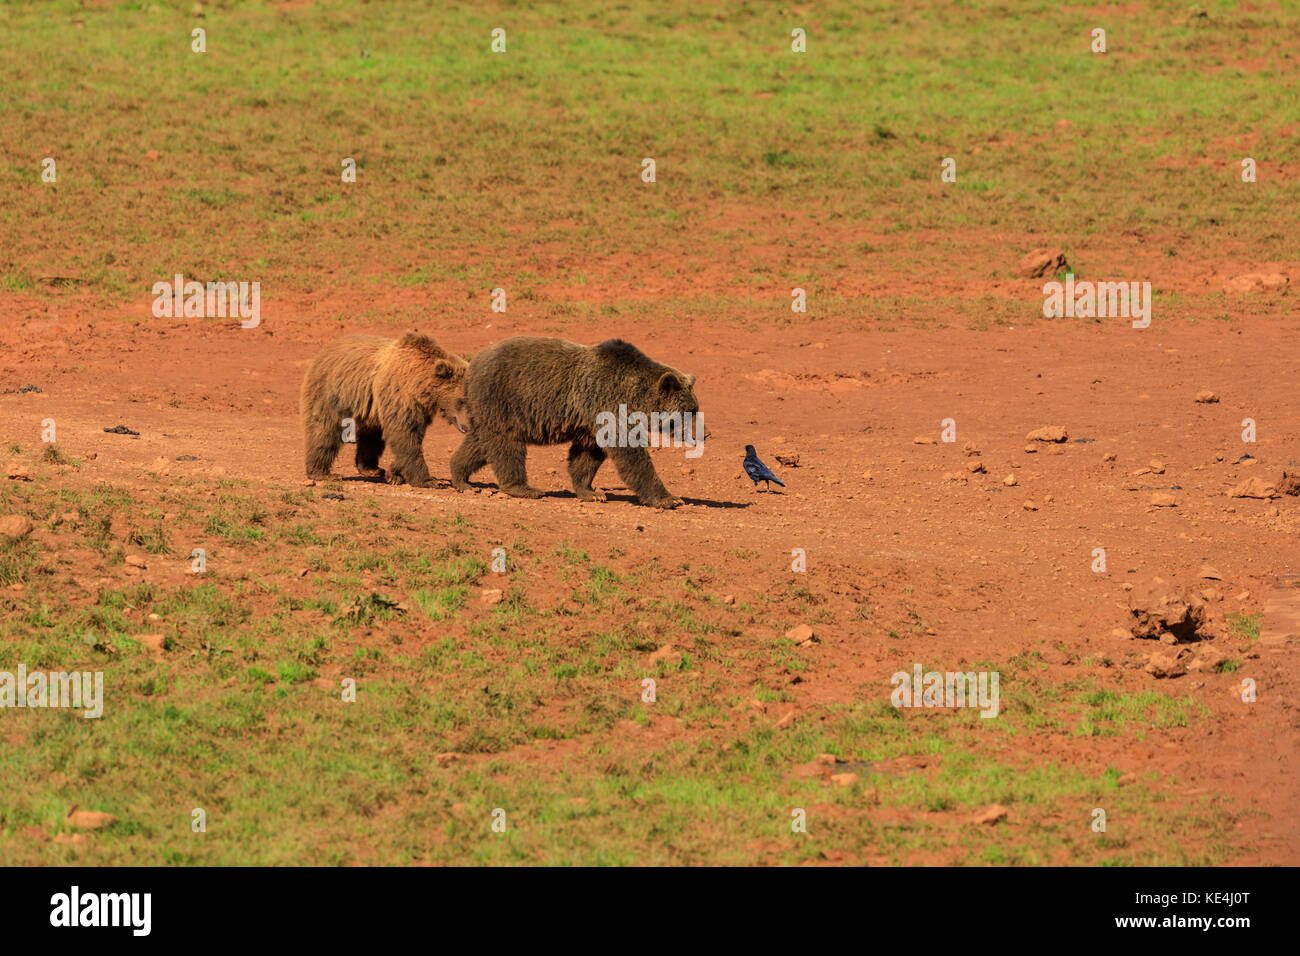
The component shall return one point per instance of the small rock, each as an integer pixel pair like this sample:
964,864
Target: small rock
844,779
665,654
1254,488
446,759
1163,666
990,815
956,476
1030,506
922,440
120,430
15,527
976,467
1206,398
1122,634
1052,433
1157,612
89,819
1162,499
728,599
17,472
1210,574
1289,484
490,596
1157,467
802,635
1031,450
970,448
1109,456
1011,481
1208,658
1042,262
136,561
1256,282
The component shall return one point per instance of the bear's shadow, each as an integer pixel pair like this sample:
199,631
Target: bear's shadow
611,497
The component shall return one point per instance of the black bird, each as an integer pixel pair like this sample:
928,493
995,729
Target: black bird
757,470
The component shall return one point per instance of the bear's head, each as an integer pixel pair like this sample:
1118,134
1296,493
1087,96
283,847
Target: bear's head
674,399
437,377
448,391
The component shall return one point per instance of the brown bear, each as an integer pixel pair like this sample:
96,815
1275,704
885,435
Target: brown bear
540,391
391,389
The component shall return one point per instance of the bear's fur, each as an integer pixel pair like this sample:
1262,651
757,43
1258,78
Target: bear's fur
541,391
392,389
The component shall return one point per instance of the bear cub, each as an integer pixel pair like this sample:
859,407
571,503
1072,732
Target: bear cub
542,391
391,389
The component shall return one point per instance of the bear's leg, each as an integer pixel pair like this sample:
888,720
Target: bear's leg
370,445
584,460
407,441
638,473
509,460
323,441
468,458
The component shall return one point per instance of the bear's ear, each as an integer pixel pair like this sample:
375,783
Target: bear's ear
443,369
669,383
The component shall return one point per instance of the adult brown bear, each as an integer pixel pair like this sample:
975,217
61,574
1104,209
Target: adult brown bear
540,391
390,389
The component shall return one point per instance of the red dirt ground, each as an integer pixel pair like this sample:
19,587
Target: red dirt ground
871,507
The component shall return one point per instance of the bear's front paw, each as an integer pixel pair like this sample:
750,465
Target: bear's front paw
668,503
590,495
395,478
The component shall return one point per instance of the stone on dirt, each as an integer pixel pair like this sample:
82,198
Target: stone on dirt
1254,487
1042,262
1158,611
1162,666
15,527
990,815
1052,433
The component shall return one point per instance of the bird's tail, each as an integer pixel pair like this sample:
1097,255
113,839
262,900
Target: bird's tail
778,481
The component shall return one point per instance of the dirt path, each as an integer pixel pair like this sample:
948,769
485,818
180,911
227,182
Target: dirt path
991,570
